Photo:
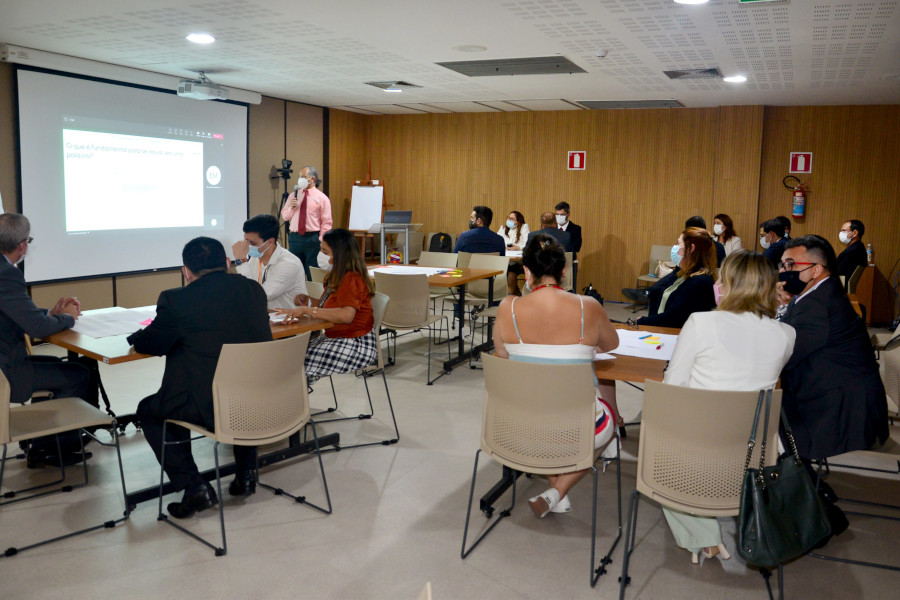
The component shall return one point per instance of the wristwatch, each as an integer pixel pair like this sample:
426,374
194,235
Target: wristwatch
237,262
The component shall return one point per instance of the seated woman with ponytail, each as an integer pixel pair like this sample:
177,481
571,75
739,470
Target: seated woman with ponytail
578,327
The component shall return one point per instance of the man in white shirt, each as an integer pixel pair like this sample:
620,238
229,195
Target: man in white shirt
258,256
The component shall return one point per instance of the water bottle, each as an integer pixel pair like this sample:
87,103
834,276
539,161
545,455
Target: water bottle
870,255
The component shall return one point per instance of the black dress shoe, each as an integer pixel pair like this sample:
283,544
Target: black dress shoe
244,484
193,501
636,294
37,458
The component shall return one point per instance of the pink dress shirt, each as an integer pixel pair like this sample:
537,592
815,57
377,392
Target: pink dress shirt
318,212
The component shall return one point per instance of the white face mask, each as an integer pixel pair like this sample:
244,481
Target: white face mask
844,236
764,242
302,184
323,261
718,229
561,219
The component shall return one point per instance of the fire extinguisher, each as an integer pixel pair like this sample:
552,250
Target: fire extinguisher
798,206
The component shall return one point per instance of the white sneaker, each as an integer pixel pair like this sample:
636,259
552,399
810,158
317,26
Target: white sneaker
563,506
544,503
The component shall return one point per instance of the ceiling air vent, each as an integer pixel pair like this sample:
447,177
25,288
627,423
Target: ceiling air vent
384,85
603,104
538,65
683,74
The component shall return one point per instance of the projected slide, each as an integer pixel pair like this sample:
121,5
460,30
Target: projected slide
117,181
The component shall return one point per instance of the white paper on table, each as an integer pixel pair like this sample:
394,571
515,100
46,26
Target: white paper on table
513,253
408,270
630,344
113,321
603,356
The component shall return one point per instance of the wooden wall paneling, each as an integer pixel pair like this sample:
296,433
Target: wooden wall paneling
265,151
92,293
305,142
9,159
348,152
855,172
144,289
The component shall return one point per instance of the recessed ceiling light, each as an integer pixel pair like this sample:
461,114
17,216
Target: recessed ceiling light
691,1
469,48
735,79
200,38
393,90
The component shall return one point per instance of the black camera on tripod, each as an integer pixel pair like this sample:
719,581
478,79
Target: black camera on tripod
285,170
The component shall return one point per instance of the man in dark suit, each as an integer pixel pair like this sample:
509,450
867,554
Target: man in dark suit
771,238
833,395
191,325
549,226
479,238
854,255
20,316
563,223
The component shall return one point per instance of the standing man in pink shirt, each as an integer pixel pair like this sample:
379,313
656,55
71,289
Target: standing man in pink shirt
309,212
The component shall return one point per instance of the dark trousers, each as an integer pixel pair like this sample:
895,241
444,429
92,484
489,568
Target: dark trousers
180,465
64,380
305,247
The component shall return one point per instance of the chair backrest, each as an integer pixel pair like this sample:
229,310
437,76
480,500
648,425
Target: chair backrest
566,282
315,289
854,280
545,422
438,259
693,446
462,259
440,242
409,299
318,275
495,263
416,239
4,409
891,360
251,406
658,252
379,308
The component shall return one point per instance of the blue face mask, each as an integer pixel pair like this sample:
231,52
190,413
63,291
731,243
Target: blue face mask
676,258
510,224
254,252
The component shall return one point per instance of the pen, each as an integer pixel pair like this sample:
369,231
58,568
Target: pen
645,337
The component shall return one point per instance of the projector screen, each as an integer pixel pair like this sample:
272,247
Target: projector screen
116,179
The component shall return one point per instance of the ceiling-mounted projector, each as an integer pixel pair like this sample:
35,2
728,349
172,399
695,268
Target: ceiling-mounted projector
201,89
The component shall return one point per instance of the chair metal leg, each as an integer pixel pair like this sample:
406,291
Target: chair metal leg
386,442
463,553
607,559
302,499
219,551
630,534
332,408
13,495
430,336
106,524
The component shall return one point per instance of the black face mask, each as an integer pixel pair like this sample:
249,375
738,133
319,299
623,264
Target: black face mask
792,283
472,225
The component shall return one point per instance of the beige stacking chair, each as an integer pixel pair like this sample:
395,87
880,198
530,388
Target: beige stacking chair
53,417
692,452
544,424
443,260
318,275
252,408
379,307
408,311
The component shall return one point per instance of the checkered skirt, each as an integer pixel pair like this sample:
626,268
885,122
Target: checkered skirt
330,356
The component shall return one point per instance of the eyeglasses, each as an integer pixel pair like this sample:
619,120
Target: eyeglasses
788,265
28,239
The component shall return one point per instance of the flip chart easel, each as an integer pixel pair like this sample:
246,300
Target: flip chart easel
366,211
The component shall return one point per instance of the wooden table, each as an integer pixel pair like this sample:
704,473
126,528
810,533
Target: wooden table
459,279
633,368
115,350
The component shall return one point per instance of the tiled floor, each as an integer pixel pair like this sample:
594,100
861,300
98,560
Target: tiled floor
398,519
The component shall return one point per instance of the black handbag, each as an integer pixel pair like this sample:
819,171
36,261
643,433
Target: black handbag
781,515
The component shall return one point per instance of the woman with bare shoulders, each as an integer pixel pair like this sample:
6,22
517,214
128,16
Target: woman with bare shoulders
550,325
